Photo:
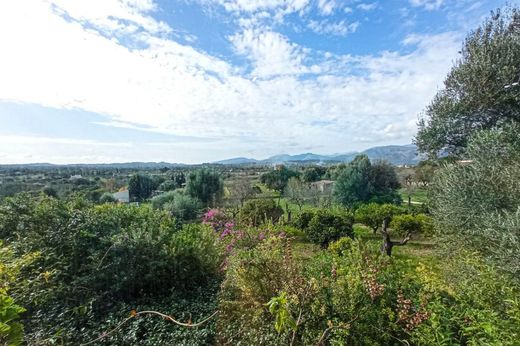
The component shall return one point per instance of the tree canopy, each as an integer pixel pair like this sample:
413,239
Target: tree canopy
277,179
482,90
140,187
361,181
206,185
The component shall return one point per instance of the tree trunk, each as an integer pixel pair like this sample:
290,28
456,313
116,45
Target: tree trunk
387,245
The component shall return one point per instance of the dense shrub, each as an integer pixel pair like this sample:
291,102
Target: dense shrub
323,225
11,330
272,297
259,211
159,201
411,224
469,303
94,255
184,207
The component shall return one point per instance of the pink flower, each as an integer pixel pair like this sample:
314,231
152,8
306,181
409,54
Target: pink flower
261,236
229,248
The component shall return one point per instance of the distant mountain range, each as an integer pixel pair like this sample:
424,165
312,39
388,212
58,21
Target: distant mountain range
395,154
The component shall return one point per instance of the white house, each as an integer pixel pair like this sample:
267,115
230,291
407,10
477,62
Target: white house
122,196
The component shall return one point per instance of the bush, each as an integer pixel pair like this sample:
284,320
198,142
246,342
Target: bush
107,198
95,255
323,226
411,224
11,331
159,201
183,207
260,211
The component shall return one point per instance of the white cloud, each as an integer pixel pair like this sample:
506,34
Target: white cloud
327,7
341,28
260,5
176,89
113,16
368,6
427,4
272,53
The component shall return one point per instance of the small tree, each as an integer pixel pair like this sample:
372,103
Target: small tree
240,191
404,225
353,184
323,226
277,179
257,212
373,214
297,191
312,174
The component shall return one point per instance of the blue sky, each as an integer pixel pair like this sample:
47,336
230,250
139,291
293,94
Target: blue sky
202,80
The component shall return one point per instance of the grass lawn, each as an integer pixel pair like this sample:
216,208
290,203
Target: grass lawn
419,195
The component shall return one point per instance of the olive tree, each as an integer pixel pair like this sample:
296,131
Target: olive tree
482,90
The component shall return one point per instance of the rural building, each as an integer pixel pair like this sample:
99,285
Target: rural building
324,186
122,196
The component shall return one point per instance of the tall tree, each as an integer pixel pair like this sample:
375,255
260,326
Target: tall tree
140,187
384,183
353,184
482,90
206,185
277,179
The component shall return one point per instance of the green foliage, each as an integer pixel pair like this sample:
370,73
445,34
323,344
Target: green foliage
478,92
341,246
324,225
297,191
469,302
277,179
94,255
184,207
411,224
11,331
361,181
107,198
373,214
206,185
477,205
140,187
253,277
159,201
384,183
312,174
278,307
260,211
353,184
50,191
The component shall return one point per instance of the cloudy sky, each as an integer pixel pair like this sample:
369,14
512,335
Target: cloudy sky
203,80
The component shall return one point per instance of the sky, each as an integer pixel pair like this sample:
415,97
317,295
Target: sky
96,81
